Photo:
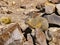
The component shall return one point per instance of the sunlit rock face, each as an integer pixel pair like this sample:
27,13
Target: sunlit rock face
39,36
30,41
12,34
55,37
16,35
55,1
53,19
32,3
49,8
58,9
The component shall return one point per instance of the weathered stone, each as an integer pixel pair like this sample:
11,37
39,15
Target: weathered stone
34,13
49,8
16,43
41,1
12,34
40,7
54,32
23,25
51,43
58,8
40,37
30,41
32,3
55,1
53,19
27,11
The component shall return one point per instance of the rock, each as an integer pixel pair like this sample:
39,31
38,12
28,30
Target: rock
16,43
30,41
49,33
23,25
51,43
40,7
33,14
58,9
3,10
29,3
32,3
41,1
27,11
55,1
49,8
55,37
40,37
53,19
11,35
3,4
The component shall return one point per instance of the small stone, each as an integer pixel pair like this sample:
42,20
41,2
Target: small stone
40,37
29,38
49,8
40,7
9,12
13,3
53,19
30,41
54,1
11,35
27,11
58,8
23,25
51,43
41,1
55,35
23,7
4,10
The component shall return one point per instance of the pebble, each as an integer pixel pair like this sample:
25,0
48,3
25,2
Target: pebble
58,8
49,8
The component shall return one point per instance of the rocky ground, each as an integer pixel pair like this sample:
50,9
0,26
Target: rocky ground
29,22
